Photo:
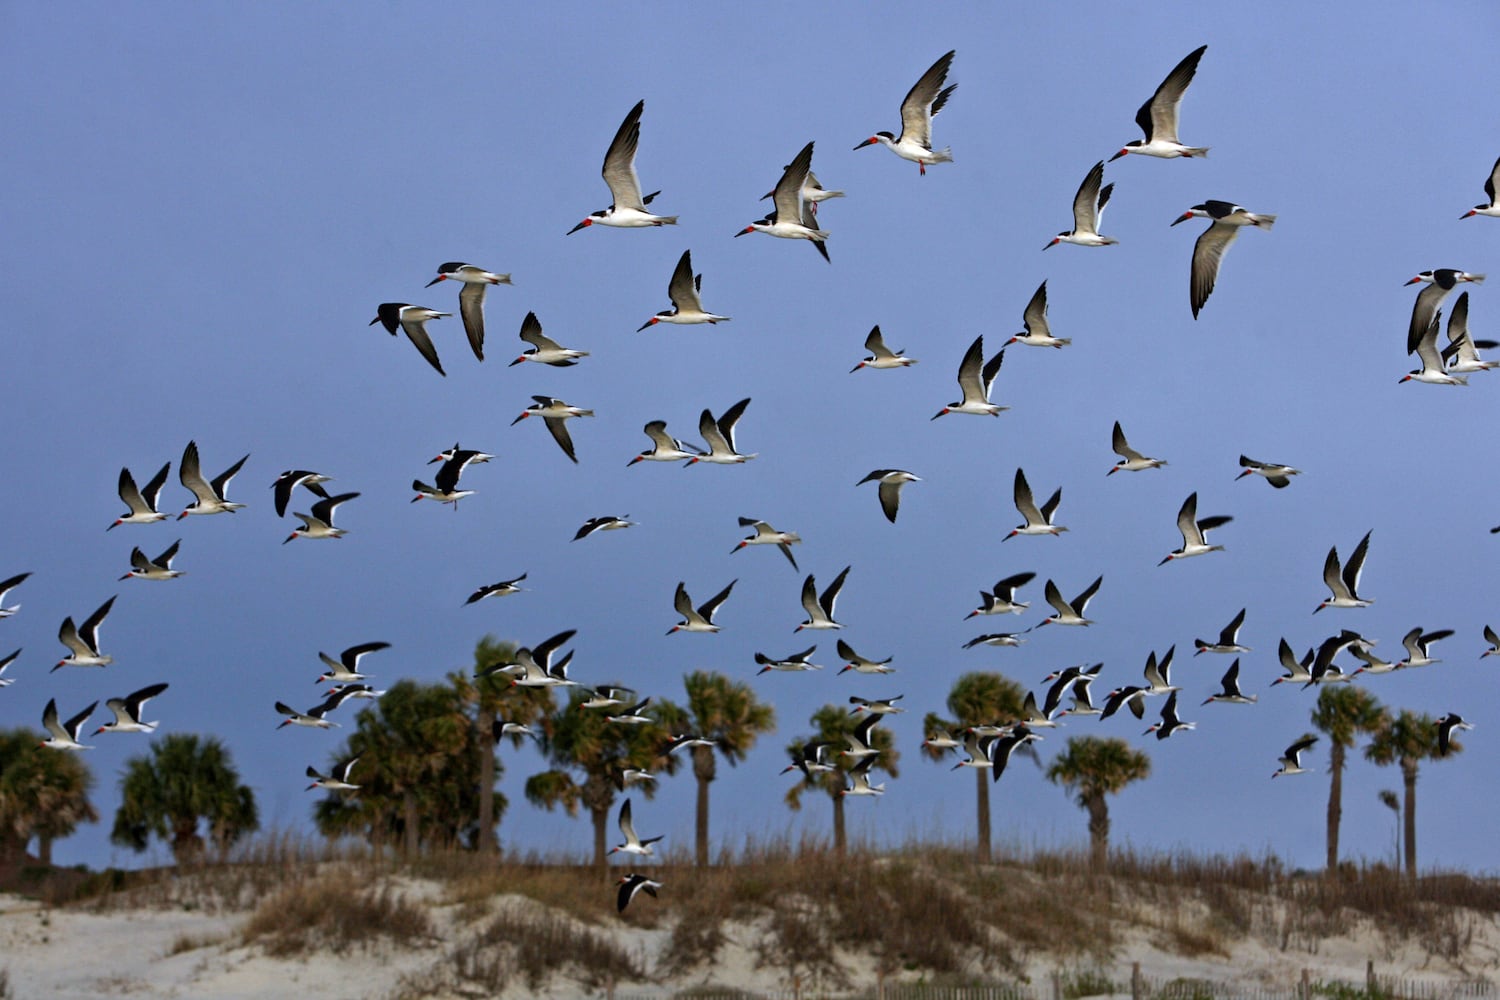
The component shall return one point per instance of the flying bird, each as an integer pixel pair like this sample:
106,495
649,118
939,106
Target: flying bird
922,103
4,663
1434,370
319,523
411,320
1038,521
1228,641
83,641
792,218
6,586
127,711
337,778
719,436
628,209
880,355
1461,356
789,664
1343,583
544,350
861,664
632,884
820,608
1038,330
975,376
633,843
1001,600
891,481
701,618
1417,645
210,495
345,669
142,502
1130,459
290,480
1491,209
1194,531
1088,208
64,735
607,522
1439,282
1158,116
1445,727
1170,723
476,281
159,568
1291,759
1274,473
502,589
767,535
683,290
555,414
1069,613
1215,241
1229,688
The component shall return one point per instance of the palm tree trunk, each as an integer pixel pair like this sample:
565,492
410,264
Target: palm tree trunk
982,779
1098,811
486,842
840,839
600,817
44,848
704,771
409,821
1409,779
1335,802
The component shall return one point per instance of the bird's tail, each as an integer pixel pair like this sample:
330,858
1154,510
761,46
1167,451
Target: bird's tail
1199,151
944,155
1265,221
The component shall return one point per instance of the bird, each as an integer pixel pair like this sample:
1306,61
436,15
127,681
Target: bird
1069,679
536,668
1417,642
1002,599
1434,370
1159,674
633,843
210,495
544,350
1494,641
1038,521
605,696
627,776
6,586
859,777
445,483
412,320
65,735
476,281
767,535
502,589
1296,670
555,414
920,106
1291,759
1275,474
1229,641
1493,208
978,748
1130,459
875,706
719,436
945,739
451,494
858,740
975,376
683,290
345,669
794,663
1038,331
1229,688
142,503
1004,746
628,210
1082,702
813,193
1343,584
1439,282
632,715
83,641
820,608
686,740
700,619
1373,664
1194,531
1215,241
460,456
127,711
1461,356
997,639
880,355
319,523
159,568
606,522
664,447
792,218
337,778
809,758
1069,613
1158,116
290,480
1445,727
891,481
5,662
862,664
499,728
313,718
632,884
1088,208
1323,669
1170,723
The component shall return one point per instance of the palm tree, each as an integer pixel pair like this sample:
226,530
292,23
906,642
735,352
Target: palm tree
183,783
978,699
1407,739
833,723
1344,713
1098,767
43,794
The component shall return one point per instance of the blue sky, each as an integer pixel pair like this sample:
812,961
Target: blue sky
208,202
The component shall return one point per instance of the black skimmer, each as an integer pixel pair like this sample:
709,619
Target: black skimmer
922,104
1130,459
6,586
83,641
767,535
1194,531
5,662
290,480
1373,663
1082,702
127,711
945,739
1169,723
1434,370
544,350
64,735
1088,208
891,481
502,589
1343,584
1038,331
857,740
445,483
1068,679
1323,669
1158,116
606,522
337,778
605,696
1159,674
1493,208
1069,613
412,320
536,668
1440,281
1004,746
978,748
515,730
1296,670
1461,356
627,776
1002,600
686,741
997,639
632,884
319,523
633,843
629,207
555,414
813,193
862,664
345,670
463,457
1033,716
1291,760
632,715
476,281
683,290
1215,241
1445,727
1417,642
859,778
210,495
701,618
664,447
880,355
820,608
1229,638
142,502
1038,520
809,758
975,376
719,436
1229,688
793,663
1494,641
1132,696
313,718
875,706
159,568
792,217
1276,474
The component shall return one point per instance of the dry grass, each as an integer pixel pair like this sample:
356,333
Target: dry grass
329,911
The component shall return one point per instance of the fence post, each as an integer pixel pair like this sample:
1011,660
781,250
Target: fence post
1136,992
1371,986
1305,989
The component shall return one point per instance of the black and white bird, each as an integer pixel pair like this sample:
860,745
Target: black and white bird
891,481
141,502
628,210
1275,473
290,480
1069,612
1445,727
1493,639
875,706
718,435
127,711
210,495
1005,746
6,661
1229,638
1158,117
337,778
862,664
997,639
346,670
444,488
313,718
631,715
820,608
664,447
159,568
6,586
1195,531
1229,688
1438,283
921,104
810,758
1130,459
1038,331
701,618
64,736
1461,356
1215,241
633,843
1296,670
1169,723
411,320
794,663
1088,208
555,414
1064,681
319,522
503,588
1492,209
765,534
792,218
632,884
1418,643
1131,696
1291,759
544,350
683,290
1434,370
880,355
83,640
1038,521
859,778
476,281
1343,582
975,376
1158,673
1002,599
605,522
